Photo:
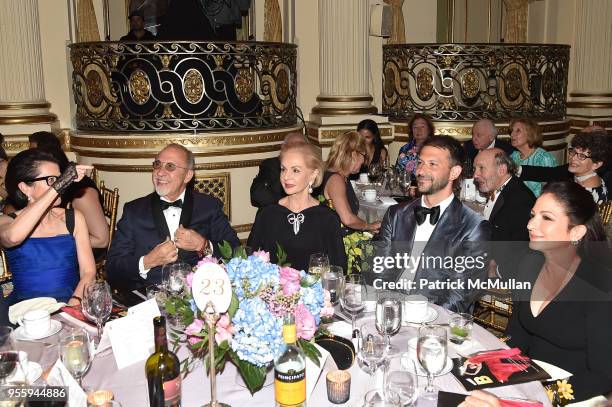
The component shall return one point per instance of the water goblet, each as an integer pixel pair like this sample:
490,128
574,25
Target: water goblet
432,349
333,283
372,350
9,357
381,398
97,304
353,298
388,319
74,352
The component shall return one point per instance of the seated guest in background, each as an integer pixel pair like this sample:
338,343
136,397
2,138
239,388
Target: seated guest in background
587,154
527,139
3,165
346,157
137,28
604,172
83,195
266,188
420,128
374,147
565,318
47,247
484,136
173,223
508,207
438,225
298,222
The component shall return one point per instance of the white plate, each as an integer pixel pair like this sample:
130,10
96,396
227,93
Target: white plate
407,364
431,315
20,334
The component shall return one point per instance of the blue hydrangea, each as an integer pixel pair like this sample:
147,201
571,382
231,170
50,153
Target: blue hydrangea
257,333
253,270
313,298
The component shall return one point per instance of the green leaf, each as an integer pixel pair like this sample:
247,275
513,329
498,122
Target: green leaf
310,351
234,304
253,376
281,256
226,250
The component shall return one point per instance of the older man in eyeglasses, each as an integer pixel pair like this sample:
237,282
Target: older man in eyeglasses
172,224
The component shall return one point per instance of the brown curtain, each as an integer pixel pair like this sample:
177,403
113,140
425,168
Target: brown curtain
273,22
515,27
87,25
398,31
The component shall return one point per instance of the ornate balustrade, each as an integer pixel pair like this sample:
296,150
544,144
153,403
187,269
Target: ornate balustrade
465,82
184,86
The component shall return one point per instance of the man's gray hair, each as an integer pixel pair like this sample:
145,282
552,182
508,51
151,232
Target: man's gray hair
502,158
188,153
490,125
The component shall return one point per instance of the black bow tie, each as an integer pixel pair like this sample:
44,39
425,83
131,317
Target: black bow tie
165,205
421,213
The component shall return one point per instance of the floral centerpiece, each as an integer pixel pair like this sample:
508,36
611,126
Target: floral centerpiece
249,334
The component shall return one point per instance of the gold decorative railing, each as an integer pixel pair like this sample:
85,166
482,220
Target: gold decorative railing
473,81
183,86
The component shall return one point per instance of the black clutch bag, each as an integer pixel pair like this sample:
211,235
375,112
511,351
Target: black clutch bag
340,349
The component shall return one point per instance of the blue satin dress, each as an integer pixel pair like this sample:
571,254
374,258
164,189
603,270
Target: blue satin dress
44,267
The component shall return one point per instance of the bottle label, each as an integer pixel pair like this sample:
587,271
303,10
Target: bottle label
290,389
172,391
289,333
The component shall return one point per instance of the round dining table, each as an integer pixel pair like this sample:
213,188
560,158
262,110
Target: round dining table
130,387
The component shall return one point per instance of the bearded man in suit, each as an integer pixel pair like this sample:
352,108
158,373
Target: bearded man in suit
174,223
438,231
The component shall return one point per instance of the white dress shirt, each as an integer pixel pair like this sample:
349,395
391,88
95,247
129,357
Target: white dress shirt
424,230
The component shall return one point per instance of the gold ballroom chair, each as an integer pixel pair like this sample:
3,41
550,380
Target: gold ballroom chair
110,205
6,283
605,212
493,311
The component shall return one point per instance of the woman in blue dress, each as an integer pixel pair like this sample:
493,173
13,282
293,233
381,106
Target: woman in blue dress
47,247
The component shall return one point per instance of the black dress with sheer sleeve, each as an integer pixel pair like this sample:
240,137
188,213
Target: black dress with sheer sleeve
574,331
314,230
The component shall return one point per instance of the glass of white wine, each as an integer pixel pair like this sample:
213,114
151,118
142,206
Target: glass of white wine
432,349
75,352
318,264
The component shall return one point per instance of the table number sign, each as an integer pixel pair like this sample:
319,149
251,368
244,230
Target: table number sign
211,285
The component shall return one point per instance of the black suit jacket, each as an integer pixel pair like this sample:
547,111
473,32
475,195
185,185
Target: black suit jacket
143,226
471,152
266,188
460,232
509,219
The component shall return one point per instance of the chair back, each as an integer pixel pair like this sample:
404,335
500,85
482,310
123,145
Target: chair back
605,212
110,205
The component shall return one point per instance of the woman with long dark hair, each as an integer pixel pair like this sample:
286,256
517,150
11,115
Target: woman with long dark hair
374,147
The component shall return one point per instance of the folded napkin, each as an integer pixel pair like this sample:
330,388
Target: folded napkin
46,303
515,362
519,403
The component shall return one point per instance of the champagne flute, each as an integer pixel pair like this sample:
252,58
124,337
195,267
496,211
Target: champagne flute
74,352
98,304
353,299
9,357
388,319
318,264
431,352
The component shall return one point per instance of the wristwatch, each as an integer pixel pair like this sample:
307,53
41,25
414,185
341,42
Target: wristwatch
206,249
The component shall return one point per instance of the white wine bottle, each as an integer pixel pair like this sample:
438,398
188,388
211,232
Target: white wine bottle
163,370
290,370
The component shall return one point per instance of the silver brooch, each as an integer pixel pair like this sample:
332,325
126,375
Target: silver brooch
295,220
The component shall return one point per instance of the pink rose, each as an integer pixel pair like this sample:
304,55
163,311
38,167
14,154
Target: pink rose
195,327
328,309
304,322
289,280
224,329
189,279
194,340
265,256
207,260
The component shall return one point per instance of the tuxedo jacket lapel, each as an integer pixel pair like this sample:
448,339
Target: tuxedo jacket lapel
158,218
498,204
185,220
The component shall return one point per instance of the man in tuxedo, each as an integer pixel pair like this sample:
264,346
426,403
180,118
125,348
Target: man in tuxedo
266,188
174,223
439,231
484,136
507,209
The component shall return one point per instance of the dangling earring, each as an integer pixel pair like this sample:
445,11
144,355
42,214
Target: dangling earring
310,187
575,242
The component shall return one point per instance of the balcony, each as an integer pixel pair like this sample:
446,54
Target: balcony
183,86
467,82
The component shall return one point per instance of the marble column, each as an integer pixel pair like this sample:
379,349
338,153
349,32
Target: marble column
23,106
590,82
344,77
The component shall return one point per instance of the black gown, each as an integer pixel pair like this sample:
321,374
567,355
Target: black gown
318,233
574,331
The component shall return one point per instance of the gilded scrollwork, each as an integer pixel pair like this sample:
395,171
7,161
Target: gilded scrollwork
471,81
193,85
140,87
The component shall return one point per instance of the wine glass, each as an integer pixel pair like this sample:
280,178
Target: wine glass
318,264
405,181
97,304
402,379
374,172
9,357
431,352
388,319
177,277
381,398
74,352
372,349
353,298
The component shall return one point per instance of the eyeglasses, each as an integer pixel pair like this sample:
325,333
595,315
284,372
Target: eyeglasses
168,166
49,179
581,157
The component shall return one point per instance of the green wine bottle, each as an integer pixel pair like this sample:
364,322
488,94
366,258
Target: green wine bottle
163,370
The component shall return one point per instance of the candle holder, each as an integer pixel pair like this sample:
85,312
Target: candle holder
211,316
338,386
